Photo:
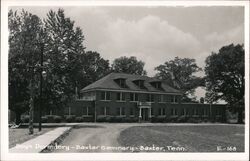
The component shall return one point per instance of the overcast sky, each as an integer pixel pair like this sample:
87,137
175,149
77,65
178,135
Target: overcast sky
155,34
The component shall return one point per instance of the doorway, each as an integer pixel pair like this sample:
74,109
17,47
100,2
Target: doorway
145,114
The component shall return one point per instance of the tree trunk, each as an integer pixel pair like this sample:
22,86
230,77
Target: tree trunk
240,116
18,117
31,104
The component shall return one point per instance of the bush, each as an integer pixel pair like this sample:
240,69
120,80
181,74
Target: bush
25,118
194,120
44,119
173,118
182,119
57,119
159,119
79,119
70,118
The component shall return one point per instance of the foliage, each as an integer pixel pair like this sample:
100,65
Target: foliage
25,34
179,73
129,65
94,67
225,77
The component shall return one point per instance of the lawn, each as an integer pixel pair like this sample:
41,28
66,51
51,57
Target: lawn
20,135
207,138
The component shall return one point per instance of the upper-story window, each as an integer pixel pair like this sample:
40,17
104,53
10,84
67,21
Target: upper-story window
139,83
133,96
150,98
120,96
121,82
156,84
105,95
161,98
174,99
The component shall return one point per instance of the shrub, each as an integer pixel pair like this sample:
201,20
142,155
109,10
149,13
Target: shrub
44,119
70,118
194,120
182,119
25,119
101,119
173,118
79,119
57,119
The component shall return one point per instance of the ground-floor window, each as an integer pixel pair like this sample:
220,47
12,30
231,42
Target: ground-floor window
195,111
131,111
120,111
205,112
104,111
86,111
162,111
173,112
152,112
183,111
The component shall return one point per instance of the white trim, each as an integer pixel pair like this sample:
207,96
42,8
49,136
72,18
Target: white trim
131,91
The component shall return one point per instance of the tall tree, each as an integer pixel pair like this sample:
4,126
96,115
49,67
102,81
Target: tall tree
24,50
225,77
129,65
94,67
179,73
63,54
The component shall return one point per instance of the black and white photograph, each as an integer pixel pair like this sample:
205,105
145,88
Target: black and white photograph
145,80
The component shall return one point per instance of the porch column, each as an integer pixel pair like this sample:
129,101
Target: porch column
140,113
150,112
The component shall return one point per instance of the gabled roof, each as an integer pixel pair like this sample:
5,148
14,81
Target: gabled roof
108,83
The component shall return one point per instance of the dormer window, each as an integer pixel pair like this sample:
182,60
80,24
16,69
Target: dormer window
156,85
139,83
121,82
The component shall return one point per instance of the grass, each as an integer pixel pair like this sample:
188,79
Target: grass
20,135
205,138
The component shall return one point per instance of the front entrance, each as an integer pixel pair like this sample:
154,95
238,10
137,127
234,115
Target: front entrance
145,114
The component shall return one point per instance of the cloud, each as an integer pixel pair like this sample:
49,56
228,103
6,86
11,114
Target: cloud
216,40
150,38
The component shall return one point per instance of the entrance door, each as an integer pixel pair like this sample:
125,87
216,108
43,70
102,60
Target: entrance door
145,116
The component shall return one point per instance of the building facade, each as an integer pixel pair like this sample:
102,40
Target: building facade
121,97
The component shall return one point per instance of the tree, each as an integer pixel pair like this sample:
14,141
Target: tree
225,77
64,52
129,65
24,51
94,67
179,73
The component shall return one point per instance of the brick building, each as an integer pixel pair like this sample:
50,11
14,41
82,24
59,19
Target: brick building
132,98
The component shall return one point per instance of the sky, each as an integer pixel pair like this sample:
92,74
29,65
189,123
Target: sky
156,34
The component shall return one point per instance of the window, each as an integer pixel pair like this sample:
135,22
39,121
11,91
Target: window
150,98
139,83
105,95
162,111
161,98
152,112
104,111
120,111
195,111
133,96
120,96
121,82
218,112
183,111
205,111
174,99
132,111
156,85
85,111
173,112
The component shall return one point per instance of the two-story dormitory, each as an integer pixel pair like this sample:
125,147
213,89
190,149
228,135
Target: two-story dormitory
120,97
